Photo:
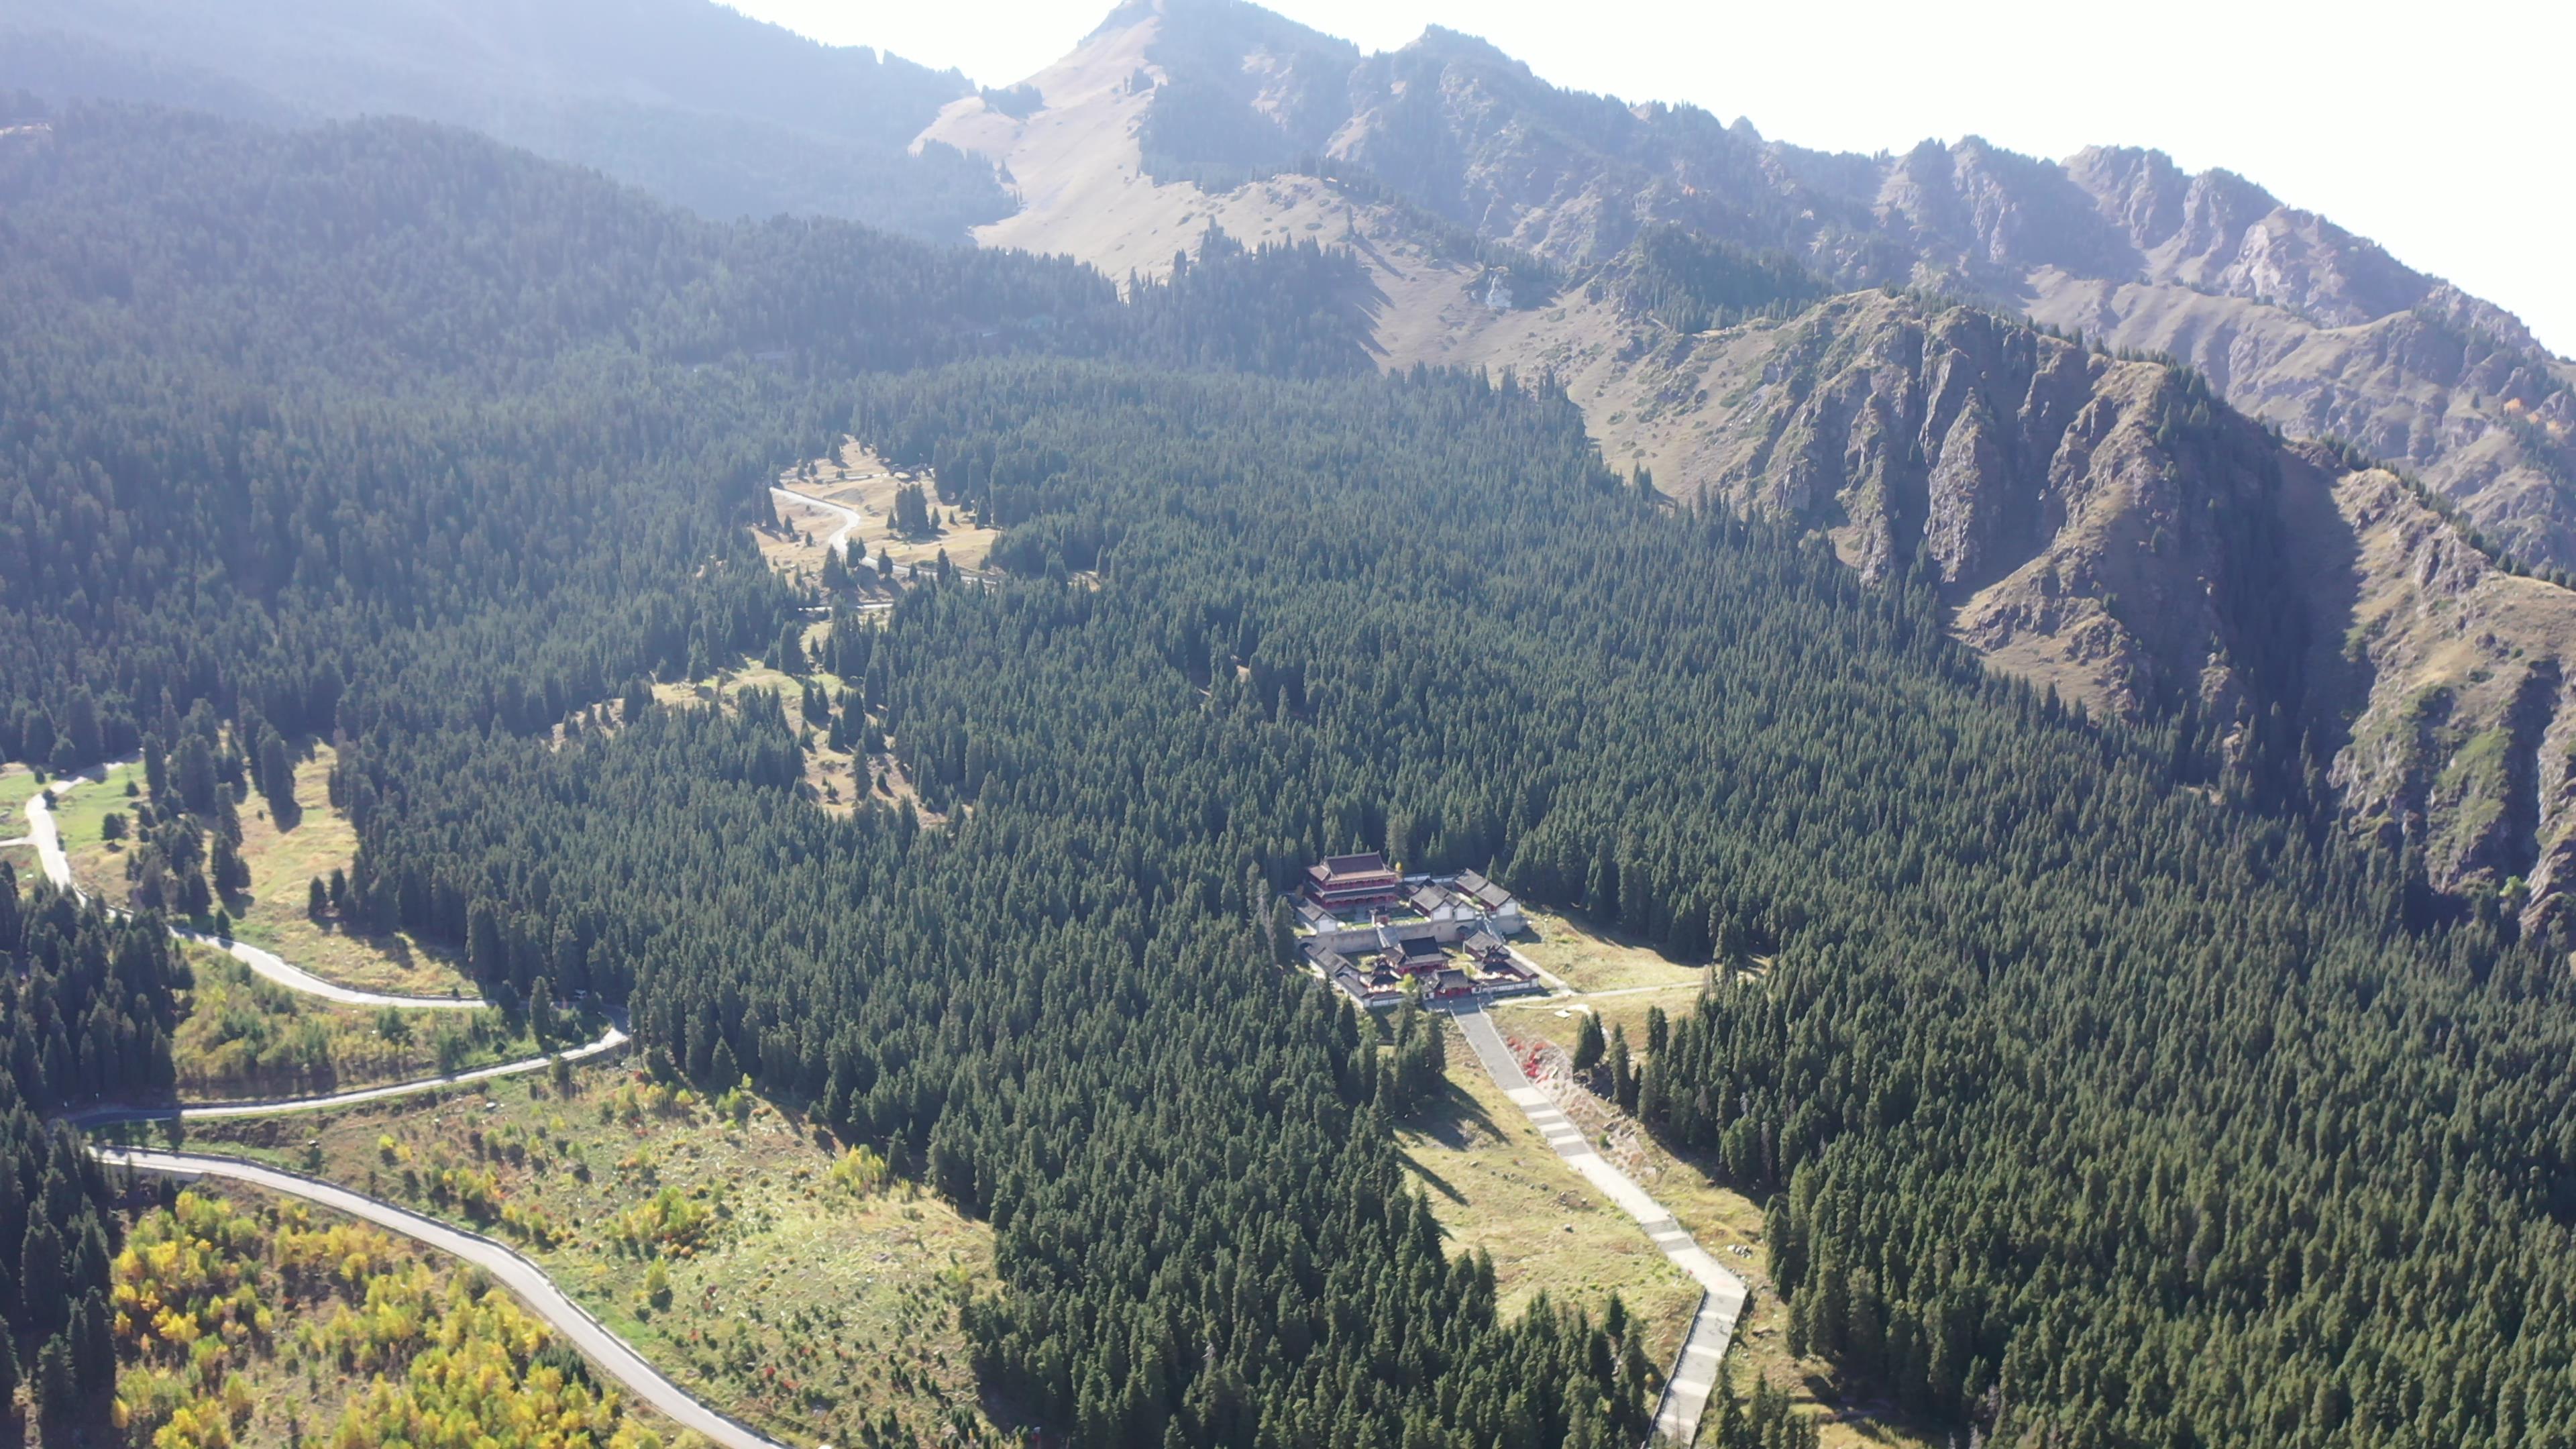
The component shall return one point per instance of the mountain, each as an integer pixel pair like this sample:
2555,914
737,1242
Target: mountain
2105,492
2108,527
693,101
2297,321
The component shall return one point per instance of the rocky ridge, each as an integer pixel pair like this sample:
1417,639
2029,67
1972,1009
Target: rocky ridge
2297,322
2109,528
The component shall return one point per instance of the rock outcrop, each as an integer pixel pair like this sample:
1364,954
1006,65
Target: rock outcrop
2107,526
2110,528
2463,741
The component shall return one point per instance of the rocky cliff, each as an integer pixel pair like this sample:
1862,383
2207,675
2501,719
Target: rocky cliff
2102,524
2296,321
2462,742
2109,527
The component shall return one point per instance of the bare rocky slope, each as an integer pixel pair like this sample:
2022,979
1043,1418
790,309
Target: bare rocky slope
2145,538
2112,529
2296,321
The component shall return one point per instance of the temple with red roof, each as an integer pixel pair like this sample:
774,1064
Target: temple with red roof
1352,882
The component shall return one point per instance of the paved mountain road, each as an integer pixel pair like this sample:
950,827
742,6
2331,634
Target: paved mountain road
849,516
520,1276
609,1041
1722,1294
58,869
602,1346
49,841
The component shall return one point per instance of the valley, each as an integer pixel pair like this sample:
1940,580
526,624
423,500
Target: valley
706,738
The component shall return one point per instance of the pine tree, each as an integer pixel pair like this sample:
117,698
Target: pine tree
911,511
41,1270
1589,1045
1623,1079
276,775
195,774
231,876
57,1386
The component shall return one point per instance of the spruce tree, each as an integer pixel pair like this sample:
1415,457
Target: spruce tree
1589,1045
57,1384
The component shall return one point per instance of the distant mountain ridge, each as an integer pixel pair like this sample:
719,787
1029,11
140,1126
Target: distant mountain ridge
2298,322
693,101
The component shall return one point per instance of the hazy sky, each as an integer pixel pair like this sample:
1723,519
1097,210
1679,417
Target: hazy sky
2440,130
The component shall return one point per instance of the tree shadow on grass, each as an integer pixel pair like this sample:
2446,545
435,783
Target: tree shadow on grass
1456,1122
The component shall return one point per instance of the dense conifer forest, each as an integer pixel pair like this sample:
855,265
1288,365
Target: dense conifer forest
282,412
87,1003
2094,1104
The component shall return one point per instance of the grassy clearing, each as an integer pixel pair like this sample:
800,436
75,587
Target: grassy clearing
17,787
859,479
1560,1019
242,1036
1725,1222
720,1243
283,862
1495,1184
246,1319
835,780
283,859
1592,960
81,815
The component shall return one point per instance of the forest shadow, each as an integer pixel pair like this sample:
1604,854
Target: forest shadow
1456,1123
1367,301
2324,556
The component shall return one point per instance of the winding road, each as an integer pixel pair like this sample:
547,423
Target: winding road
610,1040
1722,1294
1677,1416
593,1338
849,516
58,869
